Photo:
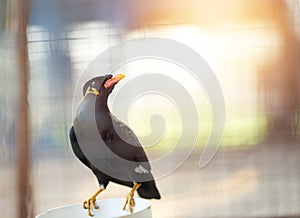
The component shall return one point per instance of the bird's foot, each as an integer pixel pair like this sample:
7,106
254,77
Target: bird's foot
130,201
130,198
90,203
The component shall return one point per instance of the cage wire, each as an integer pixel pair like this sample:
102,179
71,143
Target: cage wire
9,88
254,173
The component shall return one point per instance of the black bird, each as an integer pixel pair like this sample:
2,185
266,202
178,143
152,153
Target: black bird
117,137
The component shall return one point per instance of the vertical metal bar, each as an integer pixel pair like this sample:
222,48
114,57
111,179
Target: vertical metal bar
23,167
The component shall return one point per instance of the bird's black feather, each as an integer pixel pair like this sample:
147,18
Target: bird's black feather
76,148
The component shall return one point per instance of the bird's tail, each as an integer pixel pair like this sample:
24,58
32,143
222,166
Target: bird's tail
148,190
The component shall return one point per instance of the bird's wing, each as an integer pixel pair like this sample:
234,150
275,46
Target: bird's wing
125,132
127,135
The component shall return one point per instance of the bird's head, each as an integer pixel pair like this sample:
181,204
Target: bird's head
102,84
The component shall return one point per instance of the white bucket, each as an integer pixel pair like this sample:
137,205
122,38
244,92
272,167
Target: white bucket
107,208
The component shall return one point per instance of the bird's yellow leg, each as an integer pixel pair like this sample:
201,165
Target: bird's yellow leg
92,201
130,199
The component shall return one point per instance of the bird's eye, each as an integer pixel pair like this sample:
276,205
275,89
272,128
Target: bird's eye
94,83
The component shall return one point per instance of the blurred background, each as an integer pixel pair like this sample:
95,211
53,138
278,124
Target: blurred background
252,46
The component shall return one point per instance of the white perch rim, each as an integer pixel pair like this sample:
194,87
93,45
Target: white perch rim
111,207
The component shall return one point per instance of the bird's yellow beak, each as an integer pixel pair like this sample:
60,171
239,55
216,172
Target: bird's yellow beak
116,78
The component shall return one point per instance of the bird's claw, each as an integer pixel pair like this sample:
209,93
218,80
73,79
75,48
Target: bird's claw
130,201
92,201
87,205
